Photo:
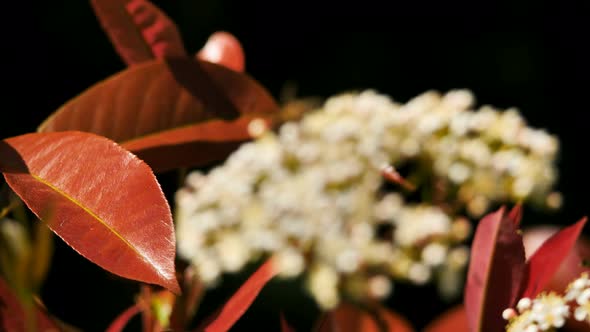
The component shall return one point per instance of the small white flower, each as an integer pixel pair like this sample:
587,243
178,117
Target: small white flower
388,206
582,312
232,251
420,222
458,257
208,269
290,262
348,260
323,284
584,297
459,172
549,310
313,193
522,323
576,288
379,286
458,99
508,313
419,273
434,254
524,304
257,127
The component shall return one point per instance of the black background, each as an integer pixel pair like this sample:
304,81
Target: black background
527,54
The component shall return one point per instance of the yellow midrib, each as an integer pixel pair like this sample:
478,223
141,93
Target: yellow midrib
93,215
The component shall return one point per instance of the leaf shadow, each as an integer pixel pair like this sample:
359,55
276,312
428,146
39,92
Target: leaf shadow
194,77
10,159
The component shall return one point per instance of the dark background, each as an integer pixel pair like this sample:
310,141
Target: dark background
527,54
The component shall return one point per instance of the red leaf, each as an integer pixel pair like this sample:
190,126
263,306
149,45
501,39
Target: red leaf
13,317
160,109
138,30
516,214
534,236
197,144
100,199
224,48
285,327
454,320
496,270
123,319
237,305
544,263
347,317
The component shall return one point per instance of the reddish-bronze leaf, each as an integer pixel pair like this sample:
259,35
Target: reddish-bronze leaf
196,144
571,267
347,317
13,316
454,320
516,214
164,102
544,263
123,319
138,30
497,263
224,48
100,199
237,305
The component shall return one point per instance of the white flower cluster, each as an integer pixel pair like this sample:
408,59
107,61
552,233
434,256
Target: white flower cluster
548,312
488,155
313,194
579,290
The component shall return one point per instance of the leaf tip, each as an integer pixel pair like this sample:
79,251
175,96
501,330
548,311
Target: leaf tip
225,49
515,214
172,285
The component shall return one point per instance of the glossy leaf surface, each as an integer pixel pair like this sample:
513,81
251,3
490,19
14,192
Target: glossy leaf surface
164,104
545,262
237,305
100,199
224,48
138,30
497,263
349,318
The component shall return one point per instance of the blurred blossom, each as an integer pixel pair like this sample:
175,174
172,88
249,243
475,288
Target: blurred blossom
550,311
313,193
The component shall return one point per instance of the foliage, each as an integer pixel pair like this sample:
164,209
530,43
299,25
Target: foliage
87,175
